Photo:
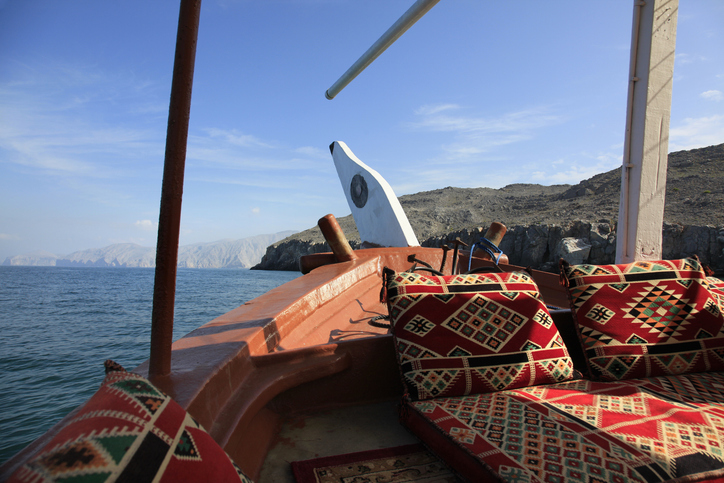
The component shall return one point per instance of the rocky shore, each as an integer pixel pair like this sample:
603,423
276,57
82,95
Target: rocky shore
546,223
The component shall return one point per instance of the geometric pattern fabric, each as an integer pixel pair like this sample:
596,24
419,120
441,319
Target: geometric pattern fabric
467,334
646,318
716,288
645,430
130,431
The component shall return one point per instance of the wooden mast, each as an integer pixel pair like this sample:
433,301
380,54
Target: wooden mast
646,143
169,222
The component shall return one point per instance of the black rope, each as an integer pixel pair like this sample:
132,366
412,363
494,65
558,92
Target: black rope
373,322
427,269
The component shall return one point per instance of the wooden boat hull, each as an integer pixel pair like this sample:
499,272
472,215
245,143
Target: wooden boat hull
303,346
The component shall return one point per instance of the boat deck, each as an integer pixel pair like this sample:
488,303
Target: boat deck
333,432
304,348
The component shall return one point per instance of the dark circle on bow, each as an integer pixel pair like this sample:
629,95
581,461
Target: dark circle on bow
358,191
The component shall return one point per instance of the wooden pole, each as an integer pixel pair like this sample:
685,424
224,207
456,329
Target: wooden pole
646,143
335,238
169,222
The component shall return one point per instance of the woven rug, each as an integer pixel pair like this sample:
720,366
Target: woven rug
410,463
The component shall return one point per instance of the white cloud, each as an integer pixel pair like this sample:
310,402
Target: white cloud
313,152
470,154
568,170
236,138
429,110
435,119
74,149
572,174
231,150
714,95
63,120
684,58
255,210
7,236
575,168
697,133
145,225
610,159
517,122
473,135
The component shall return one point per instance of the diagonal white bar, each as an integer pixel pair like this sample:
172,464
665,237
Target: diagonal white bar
407,20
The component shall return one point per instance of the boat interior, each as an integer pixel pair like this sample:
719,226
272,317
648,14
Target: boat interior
299,372
316,379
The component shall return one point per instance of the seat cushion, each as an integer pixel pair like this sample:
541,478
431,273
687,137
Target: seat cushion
639,430
646,318
129,430
469,334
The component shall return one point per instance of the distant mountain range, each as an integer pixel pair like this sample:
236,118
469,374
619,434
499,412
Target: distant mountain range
242,253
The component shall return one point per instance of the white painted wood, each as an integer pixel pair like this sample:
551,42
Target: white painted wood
377,212
646,144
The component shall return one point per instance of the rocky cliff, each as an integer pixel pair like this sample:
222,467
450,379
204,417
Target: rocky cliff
546,223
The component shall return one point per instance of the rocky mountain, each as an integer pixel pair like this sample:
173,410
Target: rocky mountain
242,253
37,258
540,217
118,255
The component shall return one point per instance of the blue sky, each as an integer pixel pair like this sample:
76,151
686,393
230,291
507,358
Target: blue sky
477,93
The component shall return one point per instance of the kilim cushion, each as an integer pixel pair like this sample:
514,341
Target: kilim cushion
646,318
468,334
716,287
130,431
669,428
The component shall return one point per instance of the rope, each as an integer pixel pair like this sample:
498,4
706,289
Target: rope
373,322
489,247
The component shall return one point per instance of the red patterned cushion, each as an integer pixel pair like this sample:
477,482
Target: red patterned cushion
716,288
646,318
130,431
467,334
667,428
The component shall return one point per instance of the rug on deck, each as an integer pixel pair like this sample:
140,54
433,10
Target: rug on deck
410,463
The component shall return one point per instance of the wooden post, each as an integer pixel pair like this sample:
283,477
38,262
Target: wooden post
169,222
335,238
646,143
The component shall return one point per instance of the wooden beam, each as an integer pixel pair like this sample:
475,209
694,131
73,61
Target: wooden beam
169,223
646,144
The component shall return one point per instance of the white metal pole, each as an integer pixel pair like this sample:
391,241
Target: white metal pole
407,20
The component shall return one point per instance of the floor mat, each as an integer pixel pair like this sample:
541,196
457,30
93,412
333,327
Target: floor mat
410,463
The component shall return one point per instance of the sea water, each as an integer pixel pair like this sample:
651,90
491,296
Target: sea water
58,325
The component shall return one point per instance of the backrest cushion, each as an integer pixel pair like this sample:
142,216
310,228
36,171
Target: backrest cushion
716,288
130,431
646,318
468,334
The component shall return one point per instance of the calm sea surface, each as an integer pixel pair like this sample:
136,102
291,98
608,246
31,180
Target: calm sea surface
58,325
